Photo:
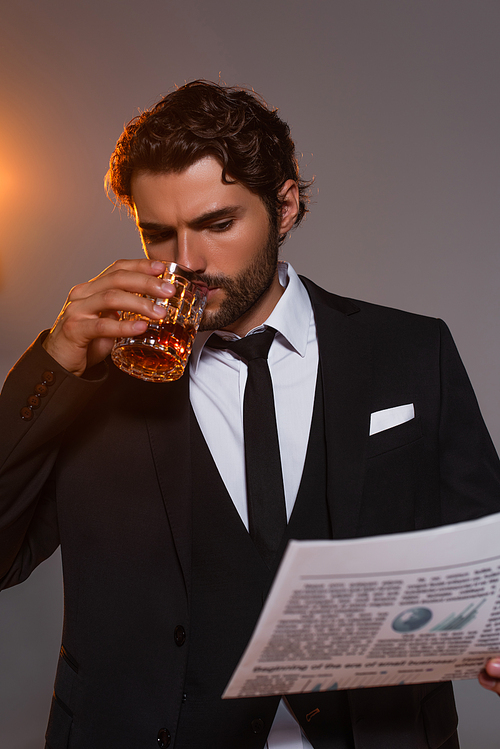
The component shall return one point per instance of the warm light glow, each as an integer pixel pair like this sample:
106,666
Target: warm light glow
6,183
11,183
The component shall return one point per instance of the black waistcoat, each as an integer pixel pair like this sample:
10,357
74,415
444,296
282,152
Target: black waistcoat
229,584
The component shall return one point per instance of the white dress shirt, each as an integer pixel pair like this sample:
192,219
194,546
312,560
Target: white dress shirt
217,386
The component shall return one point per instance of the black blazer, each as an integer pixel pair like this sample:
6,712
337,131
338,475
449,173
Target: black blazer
103,467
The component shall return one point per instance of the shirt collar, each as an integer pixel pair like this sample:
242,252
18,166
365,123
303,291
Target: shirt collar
290,317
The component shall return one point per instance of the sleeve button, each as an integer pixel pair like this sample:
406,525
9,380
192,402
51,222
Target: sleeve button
33,401
48,377
26,413
41,389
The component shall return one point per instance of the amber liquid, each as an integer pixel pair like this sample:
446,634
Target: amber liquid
158,355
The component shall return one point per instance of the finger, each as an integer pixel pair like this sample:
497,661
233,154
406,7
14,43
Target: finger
127,280
489,678
112,301
489,683
493,668
139,265
106,327
90,329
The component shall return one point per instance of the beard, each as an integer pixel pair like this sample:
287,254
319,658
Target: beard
245,289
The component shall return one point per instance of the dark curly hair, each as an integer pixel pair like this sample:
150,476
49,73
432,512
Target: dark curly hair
203,118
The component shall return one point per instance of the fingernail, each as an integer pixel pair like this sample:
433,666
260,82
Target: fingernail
167,288
159,310
494,667
140,325
156,265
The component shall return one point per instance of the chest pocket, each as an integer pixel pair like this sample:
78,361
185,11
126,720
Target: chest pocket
394,437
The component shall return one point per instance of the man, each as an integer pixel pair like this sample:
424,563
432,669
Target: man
144,485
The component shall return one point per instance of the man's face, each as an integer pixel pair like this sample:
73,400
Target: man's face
221,231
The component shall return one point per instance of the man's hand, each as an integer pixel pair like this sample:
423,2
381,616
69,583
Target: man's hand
490,677
84,332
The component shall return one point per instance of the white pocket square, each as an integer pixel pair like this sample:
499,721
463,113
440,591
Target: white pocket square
390,417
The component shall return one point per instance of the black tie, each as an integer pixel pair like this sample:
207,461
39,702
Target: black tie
265,493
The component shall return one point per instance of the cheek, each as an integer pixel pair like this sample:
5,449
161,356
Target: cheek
233,253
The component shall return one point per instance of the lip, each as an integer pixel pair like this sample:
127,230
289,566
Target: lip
212,291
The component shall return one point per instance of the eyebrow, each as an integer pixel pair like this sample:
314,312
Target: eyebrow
196,223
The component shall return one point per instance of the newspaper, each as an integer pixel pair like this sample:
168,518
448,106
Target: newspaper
396,609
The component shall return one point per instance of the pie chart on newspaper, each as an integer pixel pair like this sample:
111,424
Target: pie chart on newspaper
412,619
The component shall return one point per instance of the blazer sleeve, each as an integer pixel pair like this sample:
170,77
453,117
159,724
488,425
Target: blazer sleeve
468,462
31,431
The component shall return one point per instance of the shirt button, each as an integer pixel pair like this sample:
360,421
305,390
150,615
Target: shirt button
34,401
164,738
48,377
41,389
179,635
26,413
257,725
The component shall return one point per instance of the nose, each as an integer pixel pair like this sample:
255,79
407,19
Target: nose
189,251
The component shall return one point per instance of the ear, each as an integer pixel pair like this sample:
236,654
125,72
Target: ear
289,199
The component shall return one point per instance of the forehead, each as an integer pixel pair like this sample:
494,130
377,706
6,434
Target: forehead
196,190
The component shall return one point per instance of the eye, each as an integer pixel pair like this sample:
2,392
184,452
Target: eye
222,225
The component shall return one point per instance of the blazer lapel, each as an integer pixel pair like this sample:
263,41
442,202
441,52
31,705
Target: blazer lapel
345,365
169,434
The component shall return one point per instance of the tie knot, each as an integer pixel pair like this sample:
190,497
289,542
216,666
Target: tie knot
255,346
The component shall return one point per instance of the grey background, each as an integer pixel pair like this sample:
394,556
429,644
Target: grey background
394,105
